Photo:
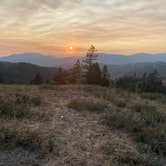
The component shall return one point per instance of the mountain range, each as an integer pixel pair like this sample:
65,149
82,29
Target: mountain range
21,68
54,61
38,59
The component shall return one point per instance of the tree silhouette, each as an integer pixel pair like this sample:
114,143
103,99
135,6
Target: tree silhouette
91,68
37,79
76,73
90,57
60,76
105,76
151,83
94,75
147,83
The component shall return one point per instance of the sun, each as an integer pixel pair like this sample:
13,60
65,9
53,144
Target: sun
71,48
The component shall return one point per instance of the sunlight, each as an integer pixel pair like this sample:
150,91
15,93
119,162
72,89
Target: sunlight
71,48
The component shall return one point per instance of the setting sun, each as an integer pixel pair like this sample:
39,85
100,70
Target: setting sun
71,48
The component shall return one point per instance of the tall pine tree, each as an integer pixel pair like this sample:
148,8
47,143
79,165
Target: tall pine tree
76,73
92,69
90,57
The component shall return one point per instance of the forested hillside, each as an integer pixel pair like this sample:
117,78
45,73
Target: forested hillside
23,73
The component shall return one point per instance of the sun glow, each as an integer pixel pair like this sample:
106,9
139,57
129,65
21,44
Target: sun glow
71,48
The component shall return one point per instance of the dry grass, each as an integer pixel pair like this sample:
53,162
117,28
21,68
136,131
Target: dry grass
17,135
63,125
89,104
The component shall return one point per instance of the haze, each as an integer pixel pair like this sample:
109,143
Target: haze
54,26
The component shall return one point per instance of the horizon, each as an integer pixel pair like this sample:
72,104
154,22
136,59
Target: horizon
67,56
68,28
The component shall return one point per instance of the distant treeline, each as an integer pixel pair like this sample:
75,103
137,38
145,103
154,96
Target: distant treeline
147,83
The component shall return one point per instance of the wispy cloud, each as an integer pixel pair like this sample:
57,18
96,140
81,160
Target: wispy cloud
124,26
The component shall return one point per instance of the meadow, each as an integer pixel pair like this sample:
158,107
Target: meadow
81,125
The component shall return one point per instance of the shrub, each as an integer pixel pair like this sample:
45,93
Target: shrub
117,119
36,100
21,99
145,123
152,96
130,159
125,157
47,86
12,136
25,99
88,105
10,110
18,108
119,102
142,107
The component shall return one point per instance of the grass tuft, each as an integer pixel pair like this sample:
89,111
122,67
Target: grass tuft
91,105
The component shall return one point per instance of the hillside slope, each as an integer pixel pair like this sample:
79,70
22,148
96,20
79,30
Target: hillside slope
72,126
23,73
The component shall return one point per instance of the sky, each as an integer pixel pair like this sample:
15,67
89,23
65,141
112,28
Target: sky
53,27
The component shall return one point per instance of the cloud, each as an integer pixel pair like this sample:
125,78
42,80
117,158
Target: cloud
109,23
21,9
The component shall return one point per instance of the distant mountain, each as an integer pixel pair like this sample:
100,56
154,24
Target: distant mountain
131,59
38,59
66,62
23,73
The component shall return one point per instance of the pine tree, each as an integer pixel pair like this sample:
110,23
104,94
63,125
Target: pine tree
37,79
90,58
153,82
95,76
105,76
76,73
89,64
60,76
